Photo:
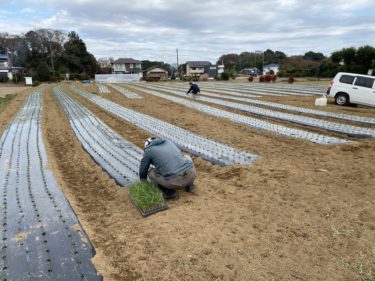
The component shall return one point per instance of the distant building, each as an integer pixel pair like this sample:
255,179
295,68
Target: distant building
203,69
7,71
197,68
220,69
126,66
4,61
105,62
250,71
273,66
5,65
155,73
106,65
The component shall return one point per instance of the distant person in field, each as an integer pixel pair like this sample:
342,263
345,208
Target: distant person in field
193,88
172,171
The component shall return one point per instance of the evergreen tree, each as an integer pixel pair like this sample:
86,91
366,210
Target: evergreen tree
312,56
77,58
43,71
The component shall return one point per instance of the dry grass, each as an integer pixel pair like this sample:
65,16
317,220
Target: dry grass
5,100
6,90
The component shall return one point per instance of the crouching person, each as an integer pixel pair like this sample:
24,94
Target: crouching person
172,170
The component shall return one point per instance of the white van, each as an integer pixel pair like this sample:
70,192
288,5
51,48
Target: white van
351,88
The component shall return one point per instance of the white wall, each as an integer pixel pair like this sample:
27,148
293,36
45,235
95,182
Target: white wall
197,70
268,69
119,67
117,78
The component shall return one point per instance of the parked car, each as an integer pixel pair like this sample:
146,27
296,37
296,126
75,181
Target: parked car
351,88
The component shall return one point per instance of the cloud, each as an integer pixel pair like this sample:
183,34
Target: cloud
202,30
27,10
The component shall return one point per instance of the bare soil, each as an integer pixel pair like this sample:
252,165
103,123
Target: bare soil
302,212
7,114
5,90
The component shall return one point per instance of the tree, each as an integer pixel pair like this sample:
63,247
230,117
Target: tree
41,45
312,56
43,72
348,55
77,58
3,37
51,47
10,45
354,60
298,67
232,73
229,60
268,56
245,59
327,68
279,56
251,59
182,69
365,58
273,57
225,76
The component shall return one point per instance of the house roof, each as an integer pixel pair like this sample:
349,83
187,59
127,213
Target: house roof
11,69
198,63
155,67
272,65
125,60
249,68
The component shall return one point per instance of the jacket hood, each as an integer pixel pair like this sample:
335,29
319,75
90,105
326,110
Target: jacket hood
155,142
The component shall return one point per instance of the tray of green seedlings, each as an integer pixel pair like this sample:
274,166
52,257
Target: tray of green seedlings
147,197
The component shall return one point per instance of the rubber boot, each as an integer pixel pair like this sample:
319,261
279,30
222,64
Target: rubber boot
168,193
190,188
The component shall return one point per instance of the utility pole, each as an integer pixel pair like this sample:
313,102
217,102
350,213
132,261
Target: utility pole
178,73
255,61
261,52
53,68
263,63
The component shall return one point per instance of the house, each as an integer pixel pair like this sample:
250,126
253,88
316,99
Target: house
203,69
200,69
7,71
126,66
220,69
5,65
155,73
271,67
105,65
250,71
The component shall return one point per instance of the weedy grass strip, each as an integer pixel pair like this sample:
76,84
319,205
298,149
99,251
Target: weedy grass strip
6,100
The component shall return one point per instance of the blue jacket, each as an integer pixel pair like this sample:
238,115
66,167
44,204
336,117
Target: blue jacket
166,157
194,88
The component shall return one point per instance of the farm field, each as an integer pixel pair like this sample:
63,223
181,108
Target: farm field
302,208
11,90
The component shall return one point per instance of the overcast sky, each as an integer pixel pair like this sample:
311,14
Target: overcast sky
201,30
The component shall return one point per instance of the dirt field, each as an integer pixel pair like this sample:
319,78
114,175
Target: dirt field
302,212
10,110
5,90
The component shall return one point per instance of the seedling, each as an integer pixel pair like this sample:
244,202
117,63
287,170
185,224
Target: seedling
147,197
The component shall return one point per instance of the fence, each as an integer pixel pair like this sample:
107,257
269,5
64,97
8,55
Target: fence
117,78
